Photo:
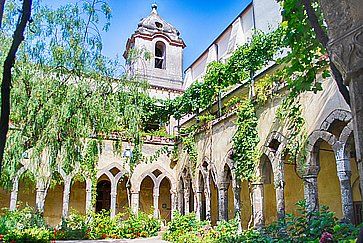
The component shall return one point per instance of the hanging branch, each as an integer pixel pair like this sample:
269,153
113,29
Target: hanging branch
18,38
322,37
2,6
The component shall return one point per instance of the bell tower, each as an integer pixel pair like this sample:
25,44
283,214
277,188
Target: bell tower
162,40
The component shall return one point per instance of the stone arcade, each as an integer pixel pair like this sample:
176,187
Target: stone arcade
212,190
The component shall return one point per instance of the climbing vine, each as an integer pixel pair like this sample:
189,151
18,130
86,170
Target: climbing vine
245,140
289,114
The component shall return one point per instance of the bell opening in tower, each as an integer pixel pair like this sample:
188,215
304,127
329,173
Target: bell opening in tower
160,55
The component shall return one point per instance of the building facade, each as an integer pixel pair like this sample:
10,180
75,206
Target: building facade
212,190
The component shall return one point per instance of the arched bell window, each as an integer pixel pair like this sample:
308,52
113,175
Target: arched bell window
160,53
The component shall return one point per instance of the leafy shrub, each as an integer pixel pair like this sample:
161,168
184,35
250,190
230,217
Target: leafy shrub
303,227
101,226
27,225
140,225
24,224
29,235
129,226
74,227
187,228
182,225
222,230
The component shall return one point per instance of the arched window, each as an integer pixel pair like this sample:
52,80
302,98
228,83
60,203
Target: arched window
160,55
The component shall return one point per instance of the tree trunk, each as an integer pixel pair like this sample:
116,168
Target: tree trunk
7,76
2,6
322,37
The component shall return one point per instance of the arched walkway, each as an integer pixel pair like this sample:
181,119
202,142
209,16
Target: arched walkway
146,195
52,205
181,203
213,199
77,199
328,158
122,200
269,194
103,198
165,200
202,200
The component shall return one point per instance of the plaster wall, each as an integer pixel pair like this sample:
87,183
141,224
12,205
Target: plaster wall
77,199
146,195
53,205
267,14
4,198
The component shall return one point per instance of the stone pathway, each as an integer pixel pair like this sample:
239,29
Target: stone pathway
141,240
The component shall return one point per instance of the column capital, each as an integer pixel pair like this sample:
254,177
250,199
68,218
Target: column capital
257,183
223,185
345,50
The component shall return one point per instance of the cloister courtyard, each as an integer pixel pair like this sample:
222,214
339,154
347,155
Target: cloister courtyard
259,139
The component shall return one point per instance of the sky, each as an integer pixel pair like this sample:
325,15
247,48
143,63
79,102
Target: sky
199,21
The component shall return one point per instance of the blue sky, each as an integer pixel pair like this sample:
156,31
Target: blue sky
199,21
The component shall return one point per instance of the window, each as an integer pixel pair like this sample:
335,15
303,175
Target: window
160,55
159,25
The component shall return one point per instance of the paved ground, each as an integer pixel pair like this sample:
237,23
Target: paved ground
141,240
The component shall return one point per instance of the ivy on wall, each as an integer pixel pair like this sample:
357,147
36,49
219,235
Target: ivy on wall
245,140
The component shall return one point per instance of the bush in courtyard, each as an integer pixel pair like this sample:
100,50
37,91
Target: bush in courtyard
183,228
139,225
74,227
187,228
29,235
303,227
24,223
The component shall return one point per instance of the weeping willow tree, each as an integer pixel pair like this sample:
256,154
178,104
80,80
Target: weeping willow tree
67,95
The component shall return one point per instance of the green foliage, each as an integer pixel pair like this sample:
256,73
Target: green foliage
187,137
74,227
306,56
29,235
187,228
130,226
24,224
245,141
303,227
246,60
289,114
20,219
182,225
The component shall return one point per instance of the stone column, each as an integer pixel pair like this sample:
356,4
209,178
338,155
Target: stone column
356,97
156,203
14,194
89,206
311,192
174,200
207,204
258,205
40,199
66,193
186,201
113,199
344,20
207,200
180,200
135,197
195,202
279,184
223,201
237,202
199,208
344,174
41,192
